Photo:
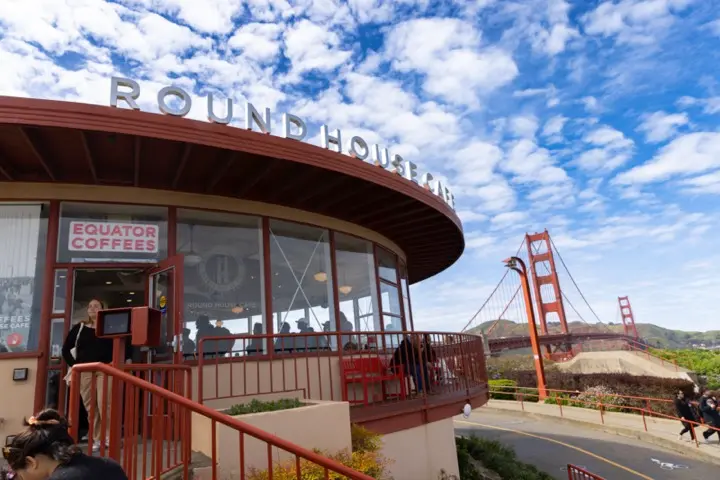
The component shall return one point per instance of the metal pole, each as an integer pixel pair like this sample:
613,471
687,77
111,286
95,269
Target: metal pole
513,263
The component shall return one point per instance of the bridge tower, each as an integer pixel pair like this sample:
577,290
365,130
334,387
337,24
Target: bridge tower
540,252
628,319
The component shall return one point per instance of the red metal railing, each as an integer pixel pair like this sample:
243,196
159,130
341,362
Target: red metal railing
363,368
577,473
151,435
571,399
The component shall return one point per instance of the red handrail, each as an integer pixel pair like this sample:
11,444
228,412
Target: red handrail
214,416
577,473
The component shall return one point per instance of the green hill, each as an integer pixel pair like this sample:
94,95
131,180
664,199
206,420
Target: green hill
651,334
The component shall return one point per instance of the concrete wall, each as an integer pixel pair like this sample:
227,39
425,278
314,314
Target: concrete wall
321,425
420,453
16,398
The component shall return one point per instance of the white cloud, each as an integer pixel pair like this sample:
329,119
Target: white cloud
312,47
638,22
710,105
661,126
554,126
687,154
703,184
524,126
532,164
258,41
611,150
448,53
509,220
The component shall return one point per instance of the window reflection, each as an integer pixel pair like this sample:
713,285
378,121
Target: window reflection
301,286
223,285
405,291
387,265
357,288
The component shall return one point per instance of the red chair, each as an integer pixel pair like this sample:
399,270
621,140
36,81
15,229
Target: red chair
370,371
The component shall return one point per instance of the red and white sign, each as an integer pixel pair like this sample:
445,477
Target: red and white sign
113,237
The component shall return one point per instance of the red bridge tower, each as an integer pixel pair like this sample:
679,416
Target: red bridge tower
540,252
627,317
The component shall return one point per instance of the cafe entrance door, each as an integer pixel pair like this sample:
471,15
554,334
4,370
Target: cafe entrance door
158,285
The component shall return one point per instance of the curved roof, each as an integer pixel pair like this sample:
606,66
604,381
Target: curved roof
53,141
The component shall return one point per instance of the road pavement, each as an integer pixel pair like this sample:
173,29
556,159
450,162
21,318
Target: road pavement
552,445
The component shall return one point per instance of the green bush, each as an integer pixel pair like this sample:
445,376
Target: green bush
494,456
258,406
502,385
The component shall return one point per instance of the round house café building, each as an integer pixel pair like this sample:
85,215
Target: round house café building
229,230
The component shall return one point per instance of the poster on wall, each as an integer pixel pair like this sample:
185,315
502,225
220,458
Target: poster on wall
19,235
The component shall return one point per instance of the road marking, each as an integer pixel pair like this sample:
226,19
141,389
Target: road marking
558,442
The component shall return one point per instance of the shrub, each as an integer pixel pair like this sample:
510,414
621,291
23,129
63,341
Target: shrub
257,406
502,385
622,384
494,456
365,457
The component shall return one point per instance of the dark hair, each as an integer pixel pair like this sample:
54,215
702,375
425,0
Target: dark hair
45,434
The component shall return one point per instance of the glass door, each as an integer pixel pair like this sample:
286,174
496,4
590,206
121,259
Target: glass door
165,293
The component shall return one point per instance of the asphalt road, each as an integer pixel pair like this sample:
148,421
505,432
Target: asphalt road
549,446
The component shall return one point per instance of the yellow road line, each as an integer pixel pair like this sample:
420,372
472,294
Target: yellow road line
558,442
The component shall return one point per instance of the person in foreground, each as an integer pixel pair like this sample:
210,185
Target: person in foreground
46,451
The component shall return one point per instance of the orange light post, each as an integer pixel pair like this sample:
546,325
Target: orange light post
516,264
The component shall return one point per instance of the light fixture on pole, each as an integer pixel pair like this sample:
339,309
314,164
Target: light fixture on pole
516,264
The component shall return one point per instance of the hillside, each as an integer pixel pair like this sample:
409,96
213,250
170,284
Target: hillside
651,334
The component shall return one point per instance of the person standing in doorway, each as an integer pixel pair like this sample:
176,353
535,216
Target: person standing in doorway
83,346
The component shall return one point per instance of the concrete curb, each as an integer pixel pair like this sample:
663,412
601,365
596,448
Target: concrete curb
691,452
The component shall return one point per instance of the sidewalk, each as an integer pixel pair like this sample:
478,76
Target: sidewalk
660,431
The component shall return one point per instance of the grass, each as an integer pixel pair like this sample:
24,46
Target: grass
257,406
494,456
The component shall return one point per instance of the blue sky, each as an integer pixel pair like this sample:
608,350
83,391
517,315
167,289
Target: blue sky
595,119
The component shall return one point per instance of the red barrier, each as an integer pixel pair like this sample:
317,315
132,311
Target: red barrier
316,366
577,473
561,397
150,435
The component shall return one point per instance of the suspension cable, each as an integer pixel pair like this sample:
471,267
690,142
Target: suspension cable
491,294
573,281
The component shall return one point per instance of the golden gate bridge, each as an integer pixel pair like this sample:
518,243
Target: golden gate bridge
562,330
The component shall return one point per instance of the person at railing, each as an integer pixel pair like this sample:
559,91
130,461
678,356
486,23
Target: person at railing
308,343
46,451
82,346
255,346
409,355
204,330
285,343
349,342
686,414
710,413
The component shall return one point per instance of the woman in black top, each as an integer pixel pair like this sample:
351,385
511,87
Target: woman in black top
45,451
88,348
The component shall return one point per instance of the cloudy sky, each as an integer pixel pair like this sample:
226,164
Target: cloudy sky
595,119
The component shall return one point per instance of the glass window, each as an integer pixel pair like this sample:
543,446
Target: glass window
98,232
23,240
390,299
223,291
60,290
405,291
387,265
357,287
302,296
